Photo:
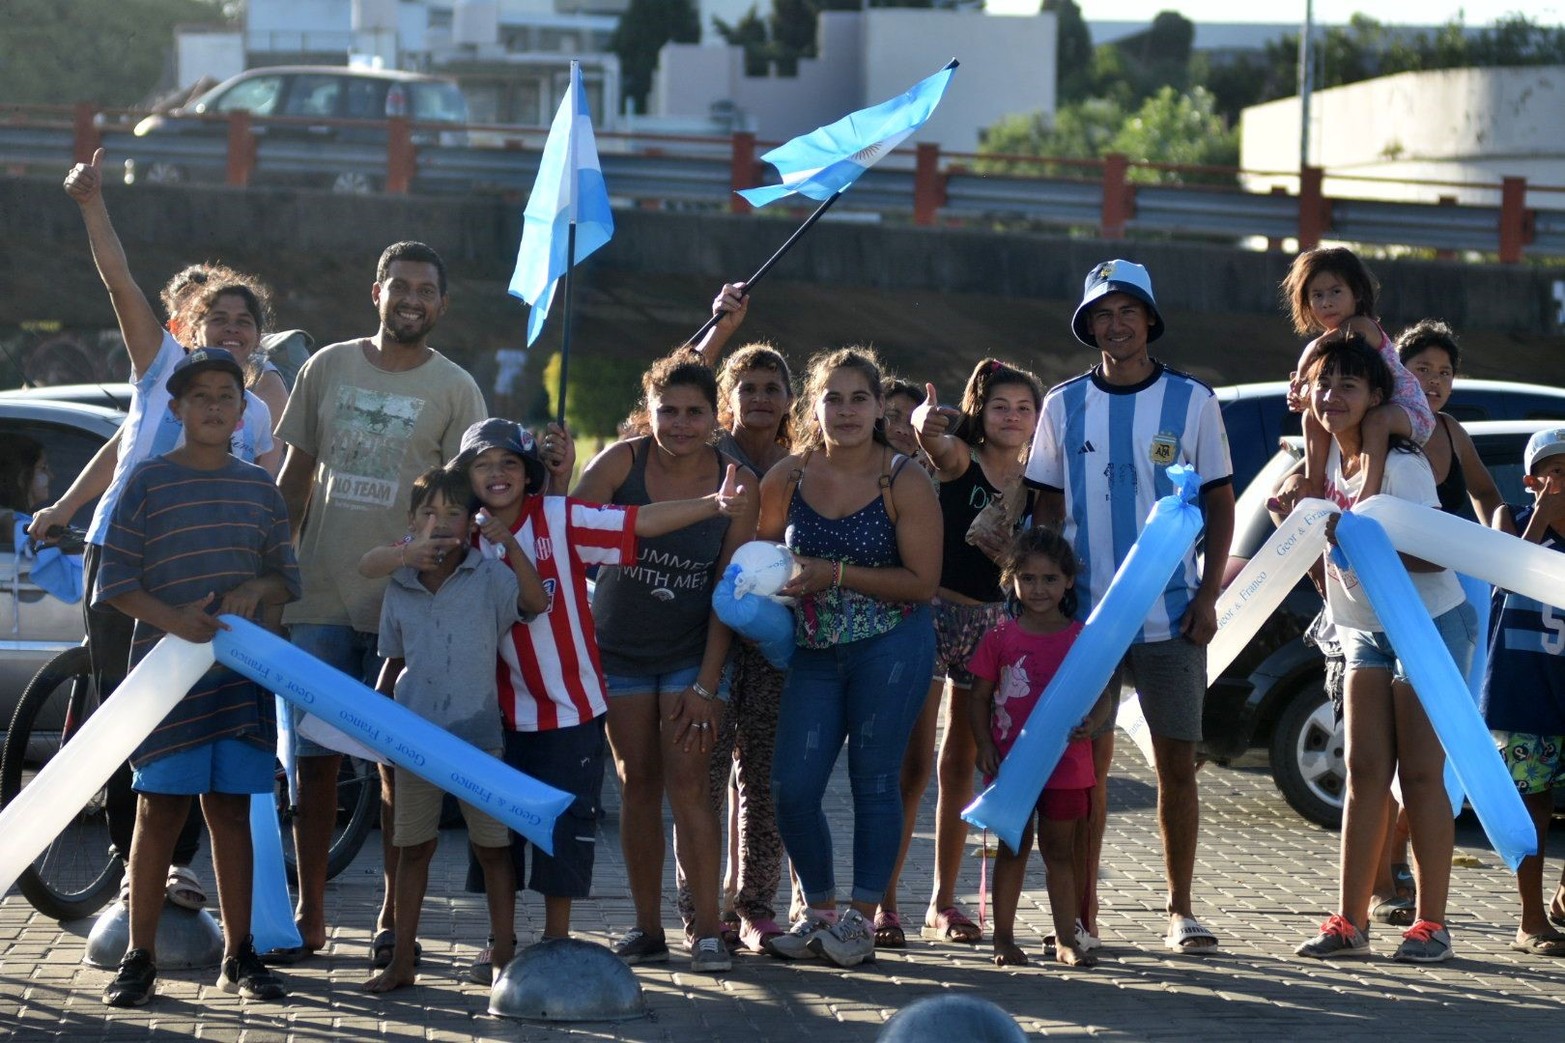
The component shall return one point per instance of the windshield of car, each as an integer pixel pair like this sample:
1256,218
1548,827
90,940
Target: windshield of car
258,95
438,103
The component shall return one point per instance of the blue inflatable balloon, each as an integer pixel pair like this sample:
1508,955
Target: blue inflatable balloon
1170,532
409,741
762,620
271,910
1440,687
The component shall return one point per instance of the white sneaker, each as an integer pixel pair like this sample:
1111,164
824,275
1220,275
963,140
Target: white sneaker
710,955
795,945
848,942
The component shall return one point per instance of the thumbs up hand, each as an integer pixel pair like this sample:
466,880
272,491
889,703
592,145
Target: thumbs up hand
84,182
734,498
931,419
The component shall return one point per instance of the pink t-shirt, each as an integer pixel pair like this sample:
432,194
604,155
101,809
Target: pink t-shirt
1020,666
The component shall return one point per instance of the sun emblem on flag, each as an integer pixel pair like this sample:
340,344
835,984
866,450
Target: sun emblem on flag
867,155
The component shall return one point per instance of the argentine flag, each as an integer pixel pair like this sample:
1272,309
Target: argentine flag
824,162
569,190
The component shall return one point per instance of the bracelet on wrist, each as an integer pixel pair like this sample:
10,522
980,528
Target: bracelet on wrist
836,573
700,689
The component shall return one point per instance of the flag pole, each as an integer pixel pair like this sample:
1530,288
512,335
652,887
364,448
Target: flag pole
760,273
565,330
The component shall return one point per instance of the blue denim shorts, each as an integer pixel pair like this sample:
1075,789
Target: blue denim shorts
226,766
670,683
1371,649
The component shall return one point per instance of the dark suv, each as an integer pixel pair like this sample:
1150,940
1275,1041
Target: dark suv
315,126
1273,694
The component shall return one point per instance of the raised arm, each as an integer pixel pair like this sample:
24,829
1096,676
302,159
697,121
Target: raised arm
932,425
733,304
138,322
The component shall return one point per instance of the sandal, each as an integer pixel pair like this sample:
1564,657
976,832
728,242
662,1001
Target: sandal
184,889
731,928
1395,911
952,925
888,930
483,969
1187,935
1402,879
1547,944
385,946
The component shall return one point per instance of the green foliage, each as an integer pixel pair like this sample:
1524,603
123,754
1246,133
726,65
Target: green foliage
600,393
1169,127
111,52
1073,51
643,29
749,33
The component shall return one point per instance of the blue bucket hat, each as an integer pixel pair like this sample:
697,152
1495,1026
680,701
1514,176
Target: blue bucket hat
1116,276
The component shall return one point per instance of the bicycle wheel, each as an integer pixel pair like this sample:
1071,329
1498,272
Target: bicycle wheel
358,811
77,874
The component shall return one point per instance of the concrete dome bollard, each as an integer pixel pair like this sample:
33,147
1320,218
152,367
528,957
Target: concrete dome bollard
567,979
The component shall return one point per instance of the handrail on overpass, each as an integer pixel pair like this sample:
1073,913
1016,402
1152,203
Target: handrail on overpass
1112,197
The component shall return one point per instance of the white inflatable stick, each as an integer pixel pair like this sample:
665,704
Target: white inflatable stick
75,774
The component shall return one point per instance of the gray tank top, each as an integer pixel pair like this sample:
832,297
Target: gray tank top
652,616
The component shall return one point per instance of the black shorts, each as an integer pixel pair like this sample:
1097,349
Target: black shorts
570,759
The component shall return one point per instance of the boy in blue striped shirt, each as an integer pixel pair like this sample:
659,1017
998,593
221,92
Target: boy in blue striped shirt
196,533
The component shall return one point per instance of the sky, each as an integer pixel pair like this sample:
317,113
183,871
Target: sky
1327,12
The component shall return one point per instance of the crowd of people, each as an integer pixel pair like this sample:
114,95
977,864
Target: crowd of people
945,557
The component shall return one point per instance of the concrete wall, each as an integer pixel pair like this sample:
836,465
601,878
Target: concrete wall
481,234
1464,125
867,57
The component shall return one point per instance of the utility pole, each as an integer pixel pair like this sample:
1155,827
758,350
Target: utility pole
1306,78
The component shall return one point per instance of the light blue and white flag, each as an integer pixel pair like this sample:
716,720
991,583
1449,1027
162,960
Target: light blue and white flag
569,190
824,162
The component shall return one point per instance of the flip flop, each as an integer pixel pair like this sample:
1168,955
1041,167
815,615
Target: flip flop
1540,945
184,888
1395,911
952,925
287,956
1186,935
385,945
888,930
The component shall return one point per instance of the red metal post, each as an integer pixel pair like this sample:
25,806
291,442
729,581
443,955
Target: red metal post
87,138
929,190
1312,208
1116,196
1513,219
741,173
1446,254
241,149
401,157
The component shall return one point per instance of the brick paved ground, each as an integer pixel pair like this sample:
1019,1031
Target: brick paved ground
1265,880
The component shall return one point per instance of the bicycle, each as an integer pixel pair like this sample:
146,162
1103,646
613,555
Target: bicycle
79,872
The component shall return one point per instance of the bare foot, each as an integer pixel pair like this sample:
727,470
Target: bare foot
1071,956
1008,954
393,977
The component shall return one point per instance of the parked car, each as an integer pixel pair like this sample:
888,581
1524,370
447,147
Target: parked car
111,395
1273,695
322,135
1257,417
34,625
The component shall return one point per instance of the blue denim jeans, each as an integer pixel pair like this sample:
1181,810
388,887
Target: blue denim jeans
870,693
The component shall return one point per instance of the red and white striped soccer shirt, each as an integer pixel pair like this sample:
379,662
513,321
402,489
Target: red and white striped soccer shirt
549,676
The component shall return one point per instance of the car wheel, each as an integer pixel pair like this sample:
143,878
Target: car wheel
352,183
1307,757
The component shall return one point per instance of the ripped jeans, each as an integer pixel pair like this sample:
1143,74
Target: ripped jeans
869,692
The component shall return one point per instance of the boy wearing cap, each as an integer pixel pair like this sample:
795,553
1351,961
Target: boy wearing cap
1524,687
552,698
1103,444
195,533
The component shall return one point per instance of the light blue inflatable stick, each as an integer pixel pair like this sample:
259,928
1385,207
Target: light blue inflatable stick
271,910
762,620
409,741
1170,532
1478,594
288,748
1440,687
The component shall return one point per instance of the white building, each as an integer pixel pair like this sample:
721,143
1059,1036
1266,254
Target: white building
864,58
1459,126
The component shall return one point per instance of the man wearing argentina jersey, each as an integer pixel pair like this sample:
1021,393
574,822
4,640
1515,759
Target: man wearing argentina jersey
1524,688
1099,459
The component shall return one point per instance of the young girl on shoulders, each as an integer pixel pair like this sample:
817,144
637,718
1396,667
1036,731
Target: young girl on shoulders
1014,663
1331,292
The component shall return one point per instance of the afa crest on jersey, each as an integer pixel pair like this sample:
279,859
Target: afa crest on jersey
1164,449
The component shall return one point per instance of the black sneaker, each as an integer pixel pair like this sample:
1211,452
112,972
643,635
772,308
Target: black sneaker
249,977
135,983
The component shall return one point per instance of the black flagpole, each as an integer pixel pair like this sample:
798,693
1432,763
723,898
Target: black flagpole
565,331
760,273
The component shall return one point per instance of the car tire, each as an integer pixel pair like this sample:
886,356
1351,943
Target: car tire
1308,764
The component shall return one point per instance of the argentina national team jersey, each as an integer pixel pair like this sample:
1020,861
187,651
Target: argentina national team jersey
1107,449
1524,682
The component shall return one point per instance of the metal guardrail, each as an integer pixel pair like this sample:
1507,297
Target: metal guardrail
641,169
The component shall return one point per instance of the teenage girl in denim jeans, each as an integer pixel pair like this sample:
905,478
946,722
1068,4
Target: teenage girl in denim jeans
866,530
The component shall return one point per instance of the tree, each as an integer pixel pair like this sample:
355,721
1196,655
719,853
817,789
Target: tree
749,33
1072,52
111,52
793,25
643,29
